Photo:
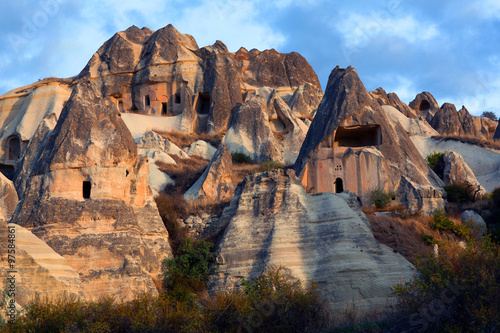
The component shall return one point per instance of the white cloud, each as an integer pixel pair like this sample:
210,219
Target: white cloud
236,23
358,30
485,8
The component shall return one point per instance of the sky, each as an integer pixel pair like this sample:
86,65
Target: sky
449,48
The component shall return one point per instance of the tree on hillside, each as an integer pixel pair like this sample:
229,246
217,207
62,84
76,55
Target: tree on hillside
489,114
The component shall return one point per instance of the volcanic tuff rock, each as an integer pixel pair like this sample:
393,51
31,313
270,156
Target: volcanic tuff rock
305,100
216,183
8,198
323,238
447,121
456,170
393,100
496,136
348,119
88,198
265,128
425,104
197,87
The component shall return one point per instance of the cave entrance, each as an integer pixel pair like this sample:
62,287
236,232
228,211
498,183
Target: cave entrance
14,145
339,185
203,103
147,100
424,105
163,109
358,136
87,187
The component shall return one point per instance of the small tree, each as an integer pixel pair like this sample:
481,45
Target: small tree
380,198
191,266
489,114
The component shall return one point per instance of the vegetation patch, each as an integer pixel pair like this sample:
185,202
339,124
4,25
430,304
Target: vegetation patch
269,165
435,161
242,158
461,192
380,198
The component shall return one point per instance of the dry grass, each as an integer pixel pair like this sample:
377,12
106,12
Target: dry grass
405,235
470,140
240,171
181,139
185,173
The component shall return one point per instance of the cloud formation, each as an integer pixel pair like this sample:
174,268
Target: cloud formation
446,48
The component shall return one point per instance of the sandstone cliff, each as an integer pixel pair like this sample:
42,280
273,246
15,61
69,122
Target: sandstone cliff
323,238
88,198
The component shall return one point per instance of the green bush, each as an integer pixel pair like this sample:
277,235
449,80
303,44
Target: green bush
269,165
436,163
189,270
460,192
455,292
380,198
443,223
241,158
272,302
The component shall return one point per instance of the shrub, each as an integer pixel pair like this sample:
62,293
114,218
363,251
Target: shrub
380,198
460,192
269,165
443,223
455,292
436,163
171,208
189,268
274,301
241,158
489,114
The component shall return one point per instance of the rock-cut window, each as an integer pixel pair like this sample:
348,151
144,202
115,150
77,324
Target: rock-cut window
87,187
147,100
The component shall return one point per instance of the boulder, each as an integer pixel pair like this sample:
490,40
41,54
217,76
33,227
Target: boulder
470,216
352,144
323,238
201,149
88,198
216,183
457,171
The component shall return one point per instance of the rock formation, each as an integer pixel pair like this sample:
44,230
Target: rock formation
166,73
351,144
22,110
393,100
88,198
447,121
496,136
457,171
265,128
216,183
425,104
8,198
323,238
305,100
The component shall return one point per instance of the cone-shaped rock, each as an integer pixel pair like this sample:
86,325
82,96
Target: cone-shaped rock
351,144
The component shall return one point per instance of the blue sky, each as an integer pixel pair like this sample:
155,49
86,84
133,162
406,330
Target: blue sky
449,48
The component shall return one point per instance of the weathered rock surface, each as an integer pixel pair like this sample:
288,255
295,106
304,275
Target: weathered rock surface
393,100
88,198
22,110
8,198
350,120
447,121
318,237
216,183
166,73
305,100
425,104
265,128
412,126
201,149
40,271
496,136
456,171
